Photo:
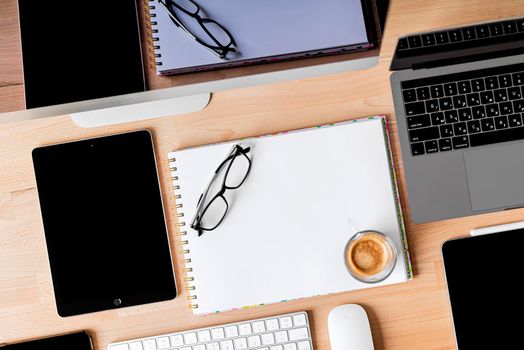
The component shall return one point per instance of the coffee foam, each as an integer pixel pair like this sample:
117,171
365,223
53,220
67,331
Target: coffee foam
368,255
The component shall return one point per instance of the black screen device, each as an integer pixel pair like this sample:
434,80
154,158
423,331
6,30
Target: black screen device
75,51
72,341
484,274
104,223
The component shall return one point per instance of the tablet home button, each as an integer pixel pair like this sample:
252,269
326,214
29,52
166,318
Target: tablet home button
117,302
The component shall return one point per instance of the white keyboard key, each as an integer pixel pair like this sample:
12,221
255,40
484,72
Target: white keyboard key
259,327
149,344
304,345
281,337
268,339
190,338
290,346
276,347
240,344
285,322
163,343
266,348
218,333
136,346
272,324
186,348
204,336
226,345
253,341
199,347
212,346
232,331
300,320
177,340
119,347
244,329
298,334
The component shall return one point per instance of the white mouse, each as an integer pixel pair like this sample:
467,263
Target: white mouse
349,328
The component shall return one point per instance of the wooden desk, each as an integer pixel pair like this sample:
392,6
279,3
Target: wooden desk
411,315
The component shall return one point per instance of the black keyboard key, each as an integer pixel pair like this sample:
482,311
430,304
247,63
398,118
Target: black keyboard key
514,93
505,80
473,99
409,95
417,148
501,122
444,145
514,120
451,116
488,124
478,112
460,129
442,38
424,134
520,25
492,110
428,39
477,85
474,126
446,130
403,44
432,106
518,78
431,146
488,138
464,87
450,89
415,108
418,121
501,95
423,93
445,103
459,101
487,97
414,41
482,31
455,35
491,83
496,29
460,142
506,108
465,114
509,27
469,33
437,91
518,106
437,118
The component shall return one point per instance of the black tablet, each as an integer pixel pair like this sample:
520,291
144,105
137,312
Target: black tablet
104,223
485,289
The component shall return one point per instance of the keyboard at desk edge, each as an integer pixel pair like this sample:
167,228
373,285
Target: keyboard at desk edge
283,332
466,109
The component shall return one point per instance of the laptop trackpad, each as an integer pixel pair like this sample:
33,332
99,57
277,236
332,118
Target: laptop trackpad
496,176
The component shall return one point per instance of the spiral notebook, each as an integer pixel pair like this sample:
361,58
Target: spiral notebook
263,30
287,226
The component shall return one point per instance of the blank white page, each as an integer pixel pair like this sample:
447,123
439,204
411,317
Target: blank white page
287,226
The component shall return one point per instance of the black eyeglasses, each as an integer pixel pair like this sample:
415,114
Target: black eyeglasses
210,34
212,206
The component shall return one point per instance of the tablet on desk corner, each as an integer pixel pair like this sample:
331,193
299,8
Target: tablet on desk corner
104,223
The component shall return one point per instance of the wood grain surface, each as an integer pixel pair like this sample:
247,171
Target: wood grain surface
412,315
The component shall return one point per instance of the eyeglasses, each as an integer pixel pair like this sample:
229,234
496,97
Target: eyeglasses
212,206
210,34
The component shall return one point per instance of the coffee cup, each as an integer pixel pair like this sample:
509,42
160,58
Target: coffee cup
370,256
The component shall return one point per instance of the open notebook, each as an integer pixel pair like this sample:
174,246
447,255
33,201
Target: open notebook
287,226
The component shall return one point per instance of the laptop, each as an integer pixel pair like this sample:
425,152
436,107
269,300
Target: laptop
459,104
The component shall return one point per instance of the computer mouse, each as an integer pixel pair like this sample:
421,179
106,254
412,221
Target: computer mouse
349,329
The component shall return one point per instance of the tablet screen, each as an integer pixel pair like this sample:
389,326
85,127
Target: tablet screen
104,223
483,275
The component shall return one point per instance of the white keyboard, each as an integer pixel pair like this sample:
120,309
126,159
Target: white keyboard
285,332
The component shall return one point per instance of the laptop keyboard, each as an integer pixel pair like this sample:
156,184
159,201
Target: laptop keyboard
467,109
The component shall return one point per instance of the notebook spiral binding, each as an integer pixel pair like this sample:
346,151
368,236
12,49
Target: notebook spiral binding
182,234
152,31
